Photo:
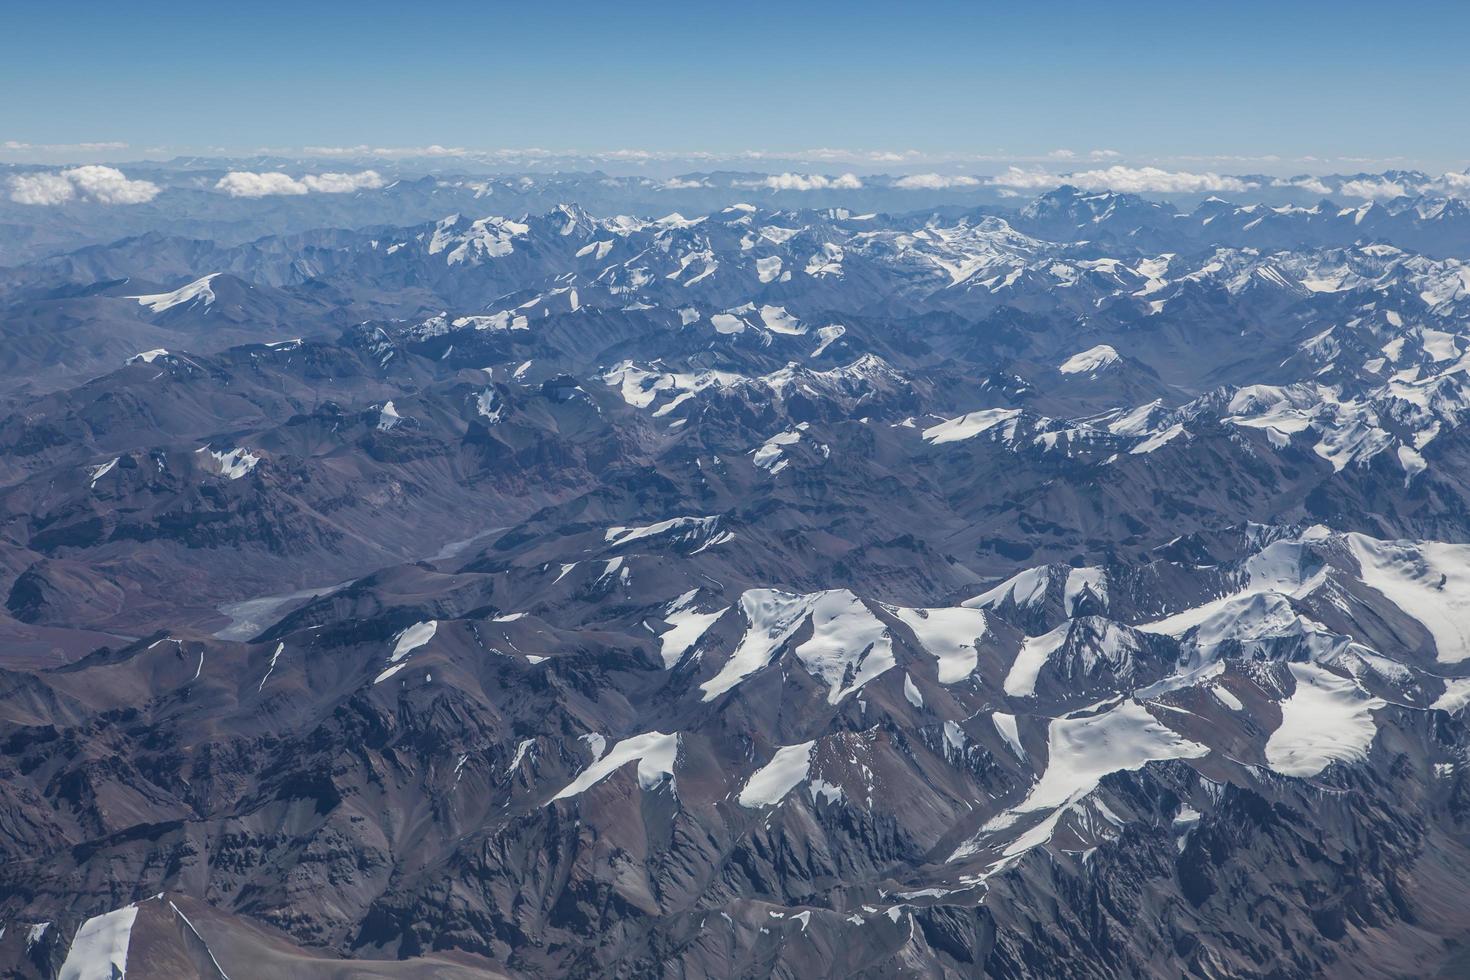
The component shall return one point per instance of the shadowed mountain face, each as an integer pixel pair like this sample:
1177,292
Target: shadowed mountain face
1077,589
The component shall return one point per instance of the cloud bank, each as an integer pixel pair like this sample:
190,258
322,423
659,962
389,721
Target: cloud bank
1374,189
1311,185
1130,180
934,182
98,184
1453,184
808,182
244,183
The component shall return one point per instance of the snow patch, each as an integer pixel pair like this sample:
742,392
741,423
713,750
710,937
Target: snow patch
1080,752
679,528
1428,580
198,290
388,417
98,472
236,463
769,784
1327,719
968,426
688,626
952,636
655,753
99,951
849,646
1089,361
412,638
1020,681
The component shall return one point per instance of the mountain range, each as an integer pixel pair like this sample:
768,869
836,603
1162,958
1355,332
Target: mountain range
1075,586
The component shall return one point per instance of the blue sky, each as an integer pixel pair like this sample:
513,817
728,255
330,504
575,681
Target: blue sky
1178,81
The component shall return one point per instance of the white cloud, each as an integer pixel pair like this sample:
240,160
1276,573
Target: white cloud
810,182
103,185
367,180
640,156
1452,184
432,150
107,185
1372,188
1030,180
892,156
1311,185
327,151
17,145
1232,159
824,153
684,183
1132,180
398,152
41,189
1104,154
243,183
934,182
